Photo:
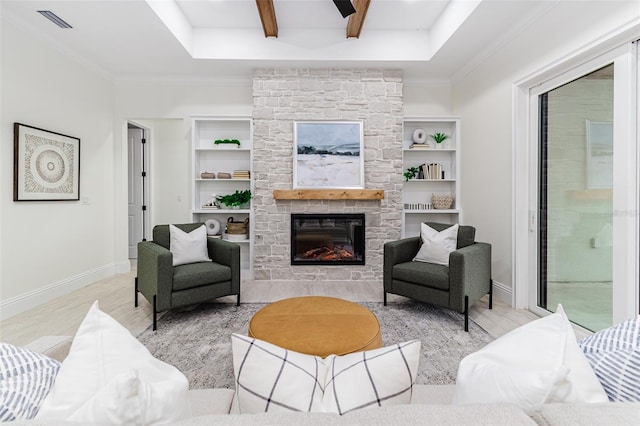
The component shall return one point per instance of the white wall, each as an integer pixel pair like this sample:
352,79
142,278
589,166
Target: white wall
483,98
170,162
50,248
430,98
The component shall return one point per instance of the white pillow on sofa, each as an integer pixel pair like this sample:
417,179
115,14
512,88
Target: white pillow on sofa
111,378
537,363
436,246
273,379
188,247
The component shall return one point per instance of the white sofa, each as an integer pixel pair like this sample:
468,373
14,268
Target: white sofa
430,404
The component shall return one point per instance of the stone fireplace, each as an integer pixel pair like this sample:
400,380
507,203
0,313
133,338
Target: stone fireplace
282,96
327,239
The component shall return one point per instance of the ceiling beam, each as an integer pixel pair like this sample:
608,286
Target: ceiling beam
268,17
356,20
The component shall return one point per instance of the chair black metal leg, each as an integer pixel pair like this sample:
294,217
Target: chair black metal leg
238,300
385,298
466,313
490,294
155,313
135,296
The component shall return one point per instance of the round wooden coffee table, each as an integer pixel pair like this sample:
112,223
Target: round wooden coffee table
317,325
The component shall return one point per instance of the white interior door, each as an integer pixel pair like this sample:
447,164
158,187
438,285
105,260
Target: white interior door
135,190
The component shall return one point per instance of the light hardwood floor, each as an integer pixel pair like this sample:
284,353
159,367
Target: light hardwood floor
62,316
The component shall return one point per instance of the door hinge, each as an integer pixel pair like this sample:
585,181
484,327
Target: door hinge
144,174
143,140
144,208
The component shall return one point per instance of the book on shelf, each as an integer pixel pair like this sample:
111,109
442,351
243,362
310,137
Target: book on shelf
431,171
420,146
241,174
207,207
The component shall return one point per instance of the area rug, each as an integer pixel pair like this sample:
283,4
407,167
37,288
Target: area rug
198,341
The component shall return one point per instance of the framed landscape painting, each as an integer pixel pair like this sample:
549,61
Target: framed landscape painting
46,165
599,154
328,154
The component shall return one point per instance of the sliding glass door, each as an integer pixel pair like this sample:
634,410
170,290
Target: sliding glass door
575,199
584,193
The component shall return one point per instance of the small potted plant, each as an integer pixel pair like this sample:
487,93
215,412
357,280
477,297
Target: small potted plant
236,200
411,173
438,138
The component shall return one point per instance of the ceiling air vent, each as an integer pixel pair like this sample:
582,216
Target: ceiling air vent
54,18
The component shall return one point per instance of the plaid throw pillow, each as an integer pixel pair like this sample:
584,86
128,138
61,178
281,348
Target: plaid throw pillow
374,378
273,379
614,355
25,380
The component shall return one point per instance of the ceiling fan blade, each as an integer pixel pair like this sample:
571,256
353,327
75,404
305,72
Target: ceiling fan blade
345,7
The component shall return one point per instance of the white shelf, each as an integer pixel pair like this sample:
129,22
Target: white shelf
430,180
222,180
221,211
432,211
431,150
223,149
247,241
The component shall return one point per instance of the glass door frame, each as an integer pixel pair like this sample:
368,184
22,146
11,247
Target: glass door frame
626,224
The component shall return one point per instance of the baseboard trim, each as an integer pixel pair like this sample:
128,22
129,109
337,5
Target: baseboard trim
34,298
502,292
123,267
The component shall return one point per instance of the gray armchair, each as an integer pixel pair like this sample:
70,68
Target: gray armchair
457,286
166,286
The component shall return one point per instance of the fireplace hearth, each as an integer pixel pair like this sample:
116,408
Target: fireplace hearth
327,239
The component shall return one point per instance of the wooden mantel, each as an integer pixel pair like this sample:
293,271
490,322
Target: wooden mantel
328,194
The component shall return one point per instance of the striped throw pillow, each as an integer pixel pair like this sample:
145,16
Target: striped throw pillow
25,380
614,355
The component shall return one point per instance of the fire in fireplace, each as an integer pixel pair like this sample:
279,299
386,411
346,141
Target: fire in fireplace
327,239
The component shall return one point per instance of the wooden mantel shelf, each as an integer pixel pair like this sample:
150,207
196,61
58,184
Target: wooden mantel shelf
328,194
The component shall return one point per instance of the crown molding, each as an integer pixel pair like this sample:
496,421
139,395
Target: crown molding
501,41
185,80
427,82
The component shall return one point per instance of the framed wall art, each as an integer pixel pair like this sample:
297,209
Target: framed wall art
599,154
46,165
328,154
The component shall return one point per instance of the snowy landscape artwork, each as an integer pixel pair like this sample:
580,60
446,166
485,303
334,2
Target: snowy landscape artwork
328,154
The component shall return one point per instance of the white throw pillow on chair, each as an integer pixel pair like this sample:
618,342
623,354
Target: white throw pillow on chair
436,246
188,247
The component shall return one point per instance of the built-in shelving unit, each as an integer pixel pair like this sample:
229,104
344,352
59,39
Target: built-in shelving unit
212,161
440,165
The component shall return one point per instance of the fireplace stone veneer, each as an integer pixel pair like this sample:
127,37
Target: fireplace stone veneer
327,239
282,96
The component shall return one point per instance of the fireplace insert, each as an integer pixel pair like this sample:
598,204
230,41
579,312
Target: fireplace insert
327,239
